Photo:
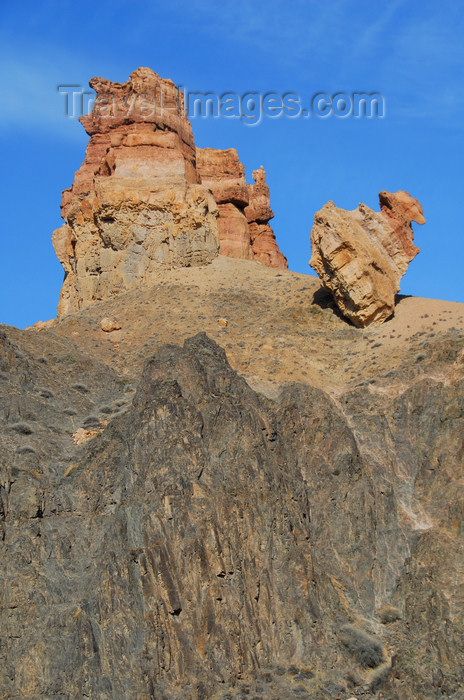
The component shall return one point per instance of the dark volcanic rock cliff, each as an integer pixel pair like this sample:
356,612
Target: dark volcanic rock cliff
212,542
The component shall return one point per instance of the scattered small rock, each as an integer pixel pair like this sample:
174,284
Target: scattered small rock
83,435
109,324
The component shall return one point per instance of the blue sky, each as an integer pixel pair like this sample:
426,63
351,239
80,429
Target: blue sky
412,52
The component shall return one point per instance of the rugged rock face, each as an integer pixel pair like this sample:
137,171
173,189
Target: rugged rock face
244,210
210,542
361,255
136,204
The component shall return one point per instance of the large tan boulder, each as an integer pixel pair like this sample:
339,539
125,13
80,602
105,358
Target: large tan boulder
361,255
136,205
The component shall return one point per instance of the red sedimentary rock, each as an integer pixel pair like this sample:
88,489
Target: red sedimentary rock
223,174
136,205
259,213
244,210
141,201
400,210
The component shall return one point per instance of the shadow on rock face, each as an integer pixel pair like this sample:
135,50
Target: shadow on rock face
324,299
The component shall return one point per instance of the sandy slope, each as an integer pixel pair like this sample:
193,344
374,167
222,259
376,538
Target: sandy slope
280,327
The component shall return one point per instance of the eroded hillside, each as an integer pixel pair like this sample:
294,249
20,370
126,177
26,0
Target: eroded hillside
272,508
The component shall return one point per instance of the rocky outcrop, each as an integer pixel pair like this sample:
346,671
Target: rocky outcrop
224,175
361,255
258,214
139,203
244,210
136,204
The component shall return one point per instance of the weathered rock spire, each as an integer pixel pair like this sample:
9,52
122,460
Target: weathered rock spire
137,204
244,210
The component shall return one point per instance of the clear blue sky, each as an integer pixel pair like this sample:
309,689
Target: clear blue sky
409,50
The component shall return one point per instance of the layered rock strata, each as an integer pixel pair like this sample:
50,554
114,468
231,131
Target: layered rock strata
244,210
223,173
136,204
258,214
361,255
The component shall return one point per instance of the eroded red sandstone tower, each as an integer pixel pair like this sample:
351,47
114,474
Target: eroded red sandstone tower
136,204
139,202
244,210
258,214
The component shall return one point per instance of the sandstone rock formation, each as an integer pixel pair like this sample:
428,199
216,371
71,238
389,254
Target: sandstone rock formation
361,255
259,213
136,204
244,210
224,175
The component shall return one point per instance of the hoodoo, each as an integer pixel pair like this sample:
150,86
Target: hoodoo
140,204
244,210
